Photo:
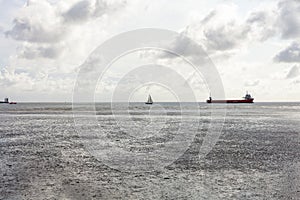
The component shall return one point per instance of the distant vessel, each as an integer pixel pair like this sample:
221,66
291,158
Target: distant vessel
246,99
150,101
6,101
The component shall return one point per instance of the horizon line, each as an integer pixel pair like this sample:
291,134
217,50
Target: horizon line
144,102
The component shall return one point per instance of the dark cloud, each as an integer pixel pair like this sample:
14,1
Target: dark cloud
225,37
290,54
182,45
79,12
289,18
86,9
43,23
46,51
293,73
257,17
25,30
283,21
38,22
210,16
222,35
262,24
218,33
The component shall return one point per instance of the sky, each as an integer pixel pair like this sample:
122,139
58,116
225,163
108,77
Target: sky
254,45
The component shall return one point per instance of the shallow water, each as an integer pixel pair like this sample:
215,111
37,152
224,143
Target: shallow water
44,155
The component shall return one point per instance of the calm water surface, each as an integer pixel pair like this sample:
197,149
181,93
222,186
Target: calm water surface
256,157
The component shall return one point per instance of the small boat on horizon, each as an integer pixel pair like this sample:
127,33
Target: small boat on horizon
7,101
149,101
246,99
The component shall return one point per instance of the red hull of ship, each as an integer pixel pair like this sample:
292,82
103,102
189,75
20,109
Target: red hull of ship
231,101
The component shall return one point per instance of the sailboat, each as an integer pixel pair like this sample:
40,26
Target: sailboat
150,101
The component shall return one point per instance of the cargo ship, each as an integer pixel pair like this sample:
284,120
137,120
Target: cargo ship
246,99
6,101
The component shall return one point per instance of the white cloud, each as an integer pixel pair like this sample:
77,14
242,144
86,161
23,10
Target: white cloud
55,37
295,82
11,79
49,44
44,22
20,85
250,83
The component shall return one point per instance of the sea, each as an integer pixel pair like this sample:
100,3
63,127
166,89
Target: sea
161,151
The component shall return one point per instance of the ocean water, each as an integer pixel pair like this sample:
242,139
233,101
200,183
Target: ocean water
51,151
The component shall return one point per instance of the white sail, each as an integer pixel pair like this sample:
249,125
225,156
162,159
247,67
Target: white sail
150,101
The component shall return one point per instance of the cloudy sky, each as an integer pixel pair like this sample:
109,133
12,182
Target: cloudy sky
255,45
